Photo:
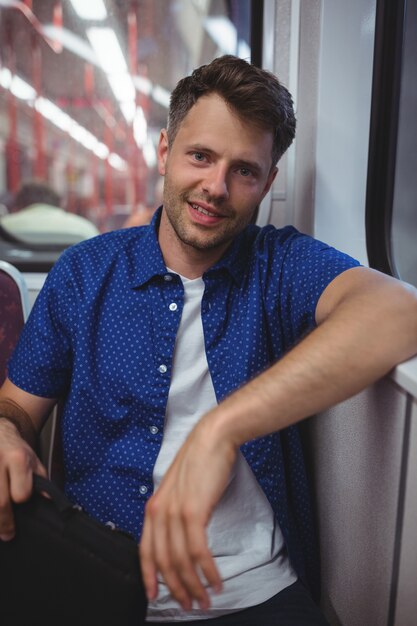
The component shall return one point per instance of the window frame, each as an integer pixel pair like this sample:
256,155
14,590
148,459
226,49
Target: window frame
386,86
256,31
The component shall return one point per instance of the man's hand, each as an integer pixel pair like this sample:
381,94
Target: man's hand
174,540
17,463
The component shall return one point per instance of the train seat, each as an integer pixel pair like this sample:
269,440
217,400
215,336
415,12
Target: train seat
14,309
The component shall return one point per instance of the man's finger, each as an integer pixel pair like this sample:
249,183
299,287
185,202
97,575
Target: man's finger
184,565
163,561
40,469
21,478
154,557
7,529
200,553
147,563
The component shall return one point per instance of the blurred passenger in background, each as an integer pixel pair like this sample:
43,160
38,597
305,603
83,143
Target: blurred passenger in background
140,217
143,215
6,202
39,218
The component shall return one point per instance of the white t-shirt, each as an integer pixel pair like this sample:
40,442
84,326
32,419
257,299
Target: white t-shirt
243,535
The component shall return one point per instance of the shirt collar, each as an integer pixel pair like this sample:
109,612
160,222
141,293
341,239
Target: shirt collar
235,259
147,259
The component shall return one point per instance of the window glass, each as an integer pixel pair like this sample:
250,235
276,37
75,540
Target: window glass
404,213
84,92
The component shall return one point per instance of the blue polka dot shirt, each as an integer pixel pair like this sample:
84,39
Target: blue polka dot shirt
102,335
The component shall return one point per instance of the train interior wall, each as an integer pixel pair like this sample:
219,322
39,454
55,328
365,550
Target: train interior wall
361,450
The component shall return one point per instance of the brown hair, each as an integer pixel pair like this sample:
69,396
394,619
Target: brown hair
34,191
255,95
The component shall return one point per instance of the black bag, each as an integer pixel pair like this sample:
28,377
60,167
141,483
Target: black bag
64,568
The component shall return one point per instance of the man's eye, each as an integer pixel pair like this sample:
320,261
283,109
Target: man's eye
198,156
244,171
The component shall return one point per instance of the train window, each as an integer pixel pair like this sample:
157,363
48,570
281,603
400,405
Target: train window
391,215
404,215
84,92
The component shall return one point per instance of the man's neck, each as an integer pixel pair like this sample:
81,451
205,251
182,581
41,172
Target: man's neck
188,264
183,258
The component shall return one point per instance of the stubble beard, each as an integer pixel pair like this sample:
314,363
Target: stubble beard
175,207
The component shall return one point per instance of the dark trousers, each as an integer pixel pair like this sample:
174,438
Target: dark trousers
292,606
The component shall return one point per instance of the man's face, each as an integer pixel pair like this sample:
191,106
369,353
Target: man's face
216,173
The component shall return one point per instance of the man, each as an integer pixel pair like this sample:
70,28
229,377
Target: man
150,334
40,218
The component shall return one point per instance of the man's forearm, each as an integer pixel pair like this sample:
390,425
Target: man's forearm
358,343
25,410
14,413
18,460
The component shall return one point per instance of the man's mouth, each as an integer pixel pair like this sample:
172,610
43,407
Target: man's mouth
200,209
205,214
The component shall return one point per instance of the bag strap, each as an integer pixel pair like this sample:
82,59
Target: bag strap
41,484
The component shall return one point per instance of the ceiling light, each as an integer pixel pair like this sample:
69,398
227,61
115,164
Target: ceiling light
140,127
149,153
5,78
142,84
71,42
122,87
101,150
223,33
83,136
21,89
117,162
108,50
128,109
54,114
243,50
161,96
90,9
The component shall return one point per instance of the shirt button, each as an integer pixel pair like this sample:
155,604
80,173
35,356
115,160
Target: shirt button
154,429
167,277
111,525
173,306
162,368
143,489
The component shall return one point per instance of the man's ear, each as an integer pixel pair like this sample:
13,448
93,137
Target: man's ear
162,151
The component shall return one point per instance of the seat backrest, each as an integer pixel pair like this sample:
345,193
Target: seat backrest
14,309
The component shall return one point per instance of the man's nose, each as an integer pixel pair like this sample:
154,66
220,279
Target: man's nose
215,183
